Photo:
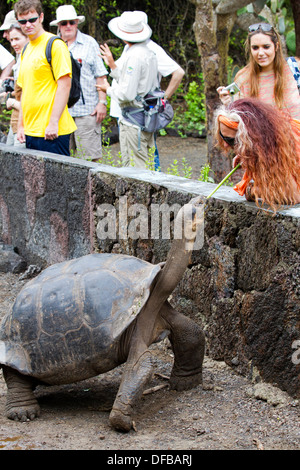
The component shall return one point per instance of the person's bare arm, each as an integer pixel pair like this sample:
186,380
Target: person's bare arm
12,103
60,102
20,134
101,109
174,83
7,71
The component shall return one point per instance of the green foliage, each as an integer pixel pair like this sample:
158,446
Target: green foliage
190,116
5,116
291,42
204,174
283,20
187,169
150,165
173,169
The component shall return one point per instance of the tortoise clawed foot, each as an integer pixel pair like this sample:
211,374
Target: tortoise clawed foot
21,404
185,383
120,421
23,413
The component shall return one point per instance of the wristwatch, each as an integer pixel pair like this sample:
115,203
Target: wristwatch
103,102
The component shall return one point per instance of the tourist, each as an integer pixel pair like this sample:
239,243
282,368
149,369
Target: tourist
137,75
18,40
267,76
45,122
166,67
267,145
9,20
90,110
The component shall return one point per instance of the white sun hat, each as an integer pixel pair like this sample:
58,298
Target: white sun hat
130,26
9,20
66,13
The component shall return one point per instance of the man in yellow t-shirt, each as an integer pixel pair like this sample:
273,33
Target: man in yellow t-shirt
45,122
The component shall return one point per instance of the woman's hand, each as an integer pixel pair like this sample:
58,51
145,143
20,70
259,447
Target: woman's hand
224,95
236,160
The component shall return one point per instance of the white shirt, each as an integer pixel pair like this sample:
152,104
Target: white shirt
136,74
5,57
165,65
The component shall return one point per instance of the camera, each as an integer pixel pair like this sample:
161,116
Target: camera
232,88
7,86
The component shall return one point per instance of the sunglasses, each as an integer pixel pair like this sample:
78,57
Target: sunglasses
64,23
266,27
229,140
31,20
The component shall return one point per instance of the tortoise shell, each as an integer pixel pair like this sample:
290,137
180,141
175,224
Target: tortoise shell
66,324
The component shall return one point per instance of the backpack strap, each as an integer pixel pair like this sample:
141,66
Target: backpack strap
23,50
48,51
294,69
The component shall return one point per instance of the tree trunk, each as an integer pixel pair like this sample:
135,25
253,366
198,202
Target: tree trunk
91,8
296,14
212,35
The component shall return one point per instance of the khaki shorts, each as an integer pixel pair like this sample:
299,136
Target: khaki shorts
85,142
129,143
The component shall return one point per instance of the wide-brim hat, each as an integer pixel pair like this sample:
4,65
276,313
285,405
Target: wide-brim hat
9,20
66,13
130,27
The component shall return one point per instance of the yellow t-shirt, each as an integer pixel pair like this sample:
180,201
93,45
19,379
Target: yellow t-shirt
39,88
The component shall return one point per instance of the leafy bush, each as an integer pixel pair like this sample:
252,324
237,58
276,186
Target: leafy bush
190,116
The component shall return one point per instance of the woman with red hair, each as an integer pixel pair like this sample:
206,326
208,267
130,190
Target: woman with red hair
267,145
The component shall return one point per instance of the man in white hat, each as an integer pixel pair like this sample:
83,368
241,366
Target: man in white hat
137,76
9,20
44,120
166,67
90,110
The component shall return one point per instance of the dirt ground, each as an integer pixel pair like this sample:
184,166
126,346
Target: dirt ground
227,412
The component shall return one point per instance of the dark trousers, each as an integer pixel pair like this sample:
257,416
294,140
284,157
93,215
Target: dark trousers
61,145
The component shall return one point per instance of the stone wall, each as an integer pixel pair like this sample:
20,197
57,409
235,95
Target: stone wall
242,286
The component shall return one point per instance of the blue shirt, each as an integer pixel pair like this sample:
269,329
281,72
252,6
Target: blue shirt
86,50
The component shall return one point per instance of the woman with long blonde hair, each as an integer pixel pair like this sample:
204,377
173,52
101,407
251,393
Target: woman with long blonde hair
265,145
267,76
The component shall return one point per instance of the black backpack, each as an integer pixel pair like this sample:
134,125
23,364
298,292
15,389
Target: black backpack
76,91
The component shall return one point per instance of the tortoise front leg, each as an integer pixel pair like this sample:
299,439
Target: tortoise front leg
188,344
21,404
137,373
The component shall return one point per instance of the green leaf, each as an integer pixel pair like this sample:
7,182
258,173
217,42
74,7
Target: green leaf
291,41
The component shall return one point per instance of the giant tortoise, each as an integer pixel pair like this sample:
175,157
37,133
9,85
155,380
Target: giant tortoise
84,317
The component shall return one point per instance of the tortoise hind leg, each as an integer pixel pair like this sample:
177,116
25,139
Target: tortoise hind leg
188,344
21,404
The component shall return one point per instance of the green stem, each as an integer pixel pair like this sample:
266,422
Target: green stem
224,180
